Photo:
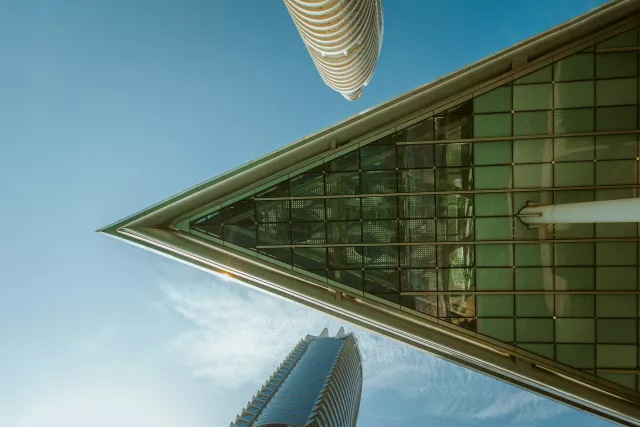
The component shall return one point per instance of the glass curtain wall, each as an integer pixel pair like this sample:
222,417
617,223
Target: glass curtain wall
424,218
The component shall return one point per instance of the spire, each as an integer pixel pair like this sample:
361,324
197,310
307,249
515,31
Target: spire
340,333
324,333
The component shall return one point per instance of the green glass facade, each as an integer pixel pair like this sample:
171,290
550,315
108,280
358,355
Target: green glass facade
423,218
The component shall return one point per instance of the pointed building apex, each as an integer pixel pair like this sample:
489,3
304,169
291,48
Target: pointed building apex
340,333
324,333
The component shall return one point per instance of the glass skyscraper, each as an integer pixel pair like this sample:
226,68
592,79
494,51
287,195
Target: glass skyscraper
419,218
317,385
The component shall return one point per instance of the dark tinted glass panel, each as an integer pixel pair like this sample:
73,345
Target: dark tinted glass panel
418,230
456,279
346,257
348,162
343,183
243,234
419,279
381,256
381,231
453,155
272,210
455,256
455,205
422,206
280,254
310,184
454,179
378,157
309,233
210,224
416,180
381,281
307,210
426,304
351,278
379,182
422,131
455,123
239,212
379,207
418,256
279,190
344,232
415,156
455,229
274,234
310,258
341,209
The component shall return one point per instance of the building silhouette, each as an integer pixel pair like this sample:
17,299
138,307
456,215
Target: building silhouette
420,218
317,385
343,37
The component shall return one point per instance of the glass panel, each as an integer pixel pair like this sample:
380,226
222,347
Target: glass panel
348,257
309,233
492,153
575,330
616,356
581,356
341,209
454,179
343,183
279,254
616,331
494,255
532,176
616,147
378,157
379,207
532,123
310,258
455,123
493,204
616,253
616,118
573,174
616,306
533,97
575,67
616,278
415,156
492,177
418,256
494,228
453,155
382,281
455,256
539,76
311,184
494,279
571,149
617,91
534,254
574,94
494,305
574,253
533,150
242,234
348,162
279,190
609,65
576,120
416,180
455,205
210,224
344,232
239,212
382,181
615,172
385,231
455,230
626,39
418,230
495,101
487,125
422,131
500,329
307,210
381,256
534,330
352,278
534,278
417,206
274,234
419,280
424,304
272,210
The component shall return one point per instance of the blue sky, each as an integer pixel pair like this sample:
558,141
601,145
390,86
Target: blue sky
109,106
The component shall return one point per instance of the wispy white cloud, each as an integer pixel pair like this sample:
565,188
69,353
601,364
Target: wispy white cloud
235,334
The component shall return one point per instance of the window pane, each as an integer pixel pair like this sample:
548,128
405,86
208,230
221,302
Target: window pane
495,101
242,234
352,278
381,256
455,256
417,206
418,256
453,155
307,210
272,210
487,125
311,184
616,147
418,230
418,280
422,131
416,180
493,204
380,182
279,190
343,183
532,123
576,148
532,176
617,91
415,156
622,64
455,230
344,232
454,179
573,174
378,157
384,231
492,153
340,209
533,150
274,234
494,228
310,258
574,94
539,76
575,67
454,123
348,257
380,207
574,120
626,39
532,97
347,162
492,177
455,205
616,118
309,233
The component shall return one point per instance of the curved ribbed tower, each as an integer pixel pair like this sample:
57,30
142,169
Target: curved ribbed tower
343,37
317,385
